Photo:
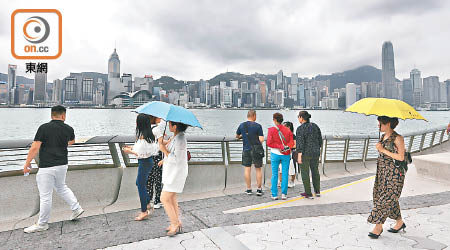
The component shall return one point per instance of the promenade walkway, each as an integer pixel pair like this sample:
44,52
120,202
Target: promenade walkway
337,220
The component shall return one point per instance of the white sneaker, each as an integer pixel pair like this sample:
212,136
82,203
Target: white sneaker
76,213
36,228
291,184
157,206
283,196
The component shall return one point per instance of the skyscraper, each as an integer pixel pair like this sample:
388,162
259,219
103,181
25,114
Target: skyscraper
388,70
350,94
114,85
12,84
40,88
408,94
416,82
280,79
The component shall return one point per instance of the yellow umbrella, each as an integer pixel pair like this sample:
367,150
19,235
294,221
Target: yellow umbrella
385,107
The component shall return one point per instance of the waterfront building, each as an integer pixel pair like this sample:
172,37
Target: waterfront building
388,71
350,93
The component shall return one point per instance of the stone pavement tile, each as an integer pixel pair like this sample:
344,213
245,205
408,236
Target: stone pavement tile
274,236
198,241
84,223
271,245
427,243
297,233
350,247
443,237
251,240
4,236
233,230
160,243
18,238
295,244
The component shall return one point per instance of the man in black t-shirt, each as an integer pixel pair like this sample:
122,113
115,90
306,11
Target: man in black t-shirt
251,129
51,141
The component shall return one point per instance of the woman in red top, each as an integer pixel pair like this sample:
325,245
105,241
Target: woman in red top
280,140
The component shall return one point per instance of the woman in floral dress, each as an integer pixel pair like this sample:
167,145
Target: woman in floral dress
389,179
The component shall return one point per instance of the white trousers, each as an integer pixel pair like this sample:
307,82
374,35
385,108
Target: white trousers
53,178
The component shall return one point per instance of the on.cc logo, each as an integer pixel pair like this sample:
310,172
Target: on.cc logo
36,29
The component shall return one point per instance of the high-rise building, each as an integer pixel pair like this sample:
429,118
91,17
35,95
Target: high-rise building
447,83
350,93
114,86
408,92
430,89
272,85
417,85
204,87
215,95
301,95
3,92
70,90
263,90
388,70
87,90
280,79
40,88
226,96
127,83
244,86
443,92
234,84
293,88
12,84
57,91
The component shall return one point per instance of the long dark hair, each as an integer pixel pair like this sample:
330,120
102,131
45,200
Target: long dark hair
144,129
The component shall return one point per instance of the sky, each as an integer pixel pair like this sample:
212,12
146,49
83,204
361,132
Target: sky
198,39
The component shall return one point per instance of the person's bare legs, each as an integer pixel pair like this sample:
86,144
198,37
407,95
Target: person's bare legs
248,177
167,199
398,224
177,208
378,229
258,177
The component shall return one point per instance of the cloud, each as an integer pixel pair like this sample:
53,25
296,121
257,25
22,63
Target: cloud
199,39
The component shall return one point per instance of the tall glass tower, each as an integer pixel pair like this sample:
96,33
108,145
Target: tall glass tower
388,71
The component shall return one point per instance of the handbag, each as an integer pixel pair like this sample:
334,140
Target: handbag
257,148
285,147
403,164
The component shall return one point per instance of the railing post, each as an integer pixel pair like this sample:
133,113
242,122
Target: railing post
365,151
422,141
410,144
126,158
324,156
114,154
226,159
346,146
432,139
442,137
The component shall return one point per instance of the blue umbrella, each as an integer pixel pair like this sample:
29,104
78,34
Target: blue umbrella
169,112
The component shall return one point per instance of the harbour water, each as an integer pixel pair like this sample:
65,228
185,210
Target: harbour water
22,123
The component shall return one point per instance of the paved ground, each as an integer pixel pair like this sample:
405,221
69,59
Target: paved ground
205,222
427,228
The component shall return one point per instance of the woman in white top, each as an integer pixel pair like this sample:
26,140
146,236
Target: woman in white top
144,149
175,172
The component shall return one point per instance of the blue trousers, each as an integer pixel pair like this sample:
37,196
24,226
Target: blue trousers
144,169
276,160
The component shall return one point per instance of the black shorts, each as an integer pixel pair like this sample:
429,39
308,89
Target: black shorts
248,159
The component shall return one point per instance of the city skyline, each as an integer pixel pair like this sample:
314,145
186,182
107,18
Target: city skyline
194,41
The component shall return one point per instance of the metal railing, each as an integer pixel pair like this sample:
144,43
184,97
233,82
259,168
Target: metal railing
105,151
